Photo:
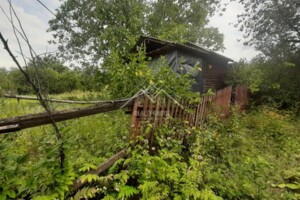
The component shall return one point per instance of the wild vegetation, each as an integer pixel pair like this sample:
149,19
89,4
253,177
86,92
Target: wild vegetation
271,82
248,156
251,155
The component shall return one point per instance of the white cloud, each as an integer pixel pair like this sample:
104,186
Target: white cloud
225,23
34,21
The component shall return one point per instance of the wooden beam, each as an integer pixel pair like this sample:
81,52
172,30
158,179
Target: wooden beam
52,100
77,184
32,120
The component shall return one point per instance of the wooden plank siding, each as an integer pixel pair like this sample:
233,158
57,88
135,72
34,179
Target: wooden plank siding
214,76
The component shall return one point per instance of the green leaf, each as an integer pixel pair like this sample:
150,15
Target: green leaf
87,167
86,193
11,194
147,185
109,197
293,186
23,159
281,185
127,191
122,176
2,196
46,197
89,178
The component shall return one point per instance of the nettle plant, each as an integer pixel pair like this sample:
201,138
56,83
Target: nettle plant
166,169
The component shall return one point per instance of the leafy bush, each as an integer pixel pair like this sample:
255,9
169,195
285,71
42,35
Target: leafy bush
253,156
160,171
271,82
127,78
29,160
247,156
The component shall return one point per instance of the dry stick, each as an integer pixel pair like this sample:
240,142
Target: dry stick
33,54
14,30
22,31
36,89
58,134
54,100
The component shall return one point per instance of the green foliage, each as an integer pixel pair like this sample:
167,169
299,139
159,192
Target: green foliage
19,174
29,159
160,171
5,83
127,78
247,156
85,193
271,26
271,82
104,26
51,76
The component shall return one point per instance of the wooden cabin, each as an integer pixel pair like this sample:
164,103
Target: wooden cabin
185,58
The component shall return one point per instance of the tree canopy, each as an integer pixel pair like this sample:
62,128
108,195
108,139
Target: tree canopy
272,26
88,31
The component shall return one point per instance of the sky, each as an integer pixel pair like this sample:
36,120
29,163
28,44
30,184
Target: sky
34,18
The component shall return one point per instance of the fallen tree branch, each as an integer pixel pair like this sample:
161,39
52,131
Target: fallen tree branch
52,100
32,120
77,184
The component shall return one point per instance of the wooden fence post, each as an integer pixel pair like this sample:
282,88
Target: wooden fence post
241,97
135,120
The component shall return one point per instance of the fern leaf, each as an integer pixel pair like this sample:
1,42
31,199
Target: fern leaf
86,193
127,191
87,167
147,186
89,178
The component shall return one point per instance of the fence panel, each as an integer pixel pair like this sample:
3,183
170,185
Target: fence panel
221,102
241,97
157,110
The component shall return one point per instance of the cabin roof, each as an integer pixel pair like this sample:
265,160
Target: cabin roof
155,45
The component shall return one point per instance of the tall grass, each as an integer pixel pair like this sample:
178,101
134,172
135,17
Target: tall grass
87,140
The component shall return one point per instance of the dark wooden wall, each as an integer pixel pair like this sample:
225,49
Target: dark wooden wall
214,74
